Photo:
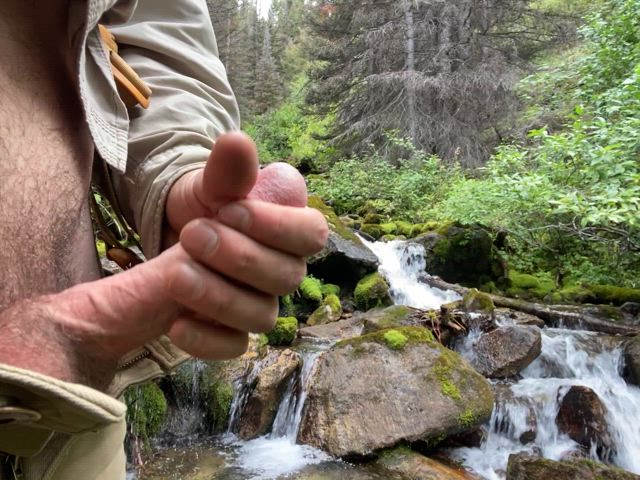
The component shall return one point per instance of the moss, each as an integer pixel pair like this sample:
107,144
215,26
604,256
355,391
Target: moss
373,219
389,228
442,371
467,419
329,311
333,220
388,238
330,289
311,289
284,332
571,293
404,228
475,301
535,286
372,230
414,335
263,340
220,399
416,230
614,295
395,340
390,317
146,410
287,307
371,292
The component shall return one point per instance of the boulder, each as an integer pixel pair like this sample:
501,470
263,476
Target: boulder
372,392
506,351
284,331
463,254
329,311
632,361
476,301
519,318
409,465
345,259
582,416
524,467
372,292
262,403
395,316
348,328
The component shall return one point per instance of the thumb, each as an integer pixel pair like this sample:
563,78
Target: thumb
231,171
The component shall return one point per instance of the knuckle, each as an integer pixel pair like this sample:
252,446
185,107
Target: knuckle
222,305
246,260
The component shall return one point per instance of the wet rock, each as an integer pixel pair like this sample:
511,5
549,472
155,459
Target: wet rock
506,351
369,393
582,416
519,423
472,439
476,301
262,405
372,292
409,465
348,328
395,316
524,467
329,311
632,361
345,259
463,254
519,318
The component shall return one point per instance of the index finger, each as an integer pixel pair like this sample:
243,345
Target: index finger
298,231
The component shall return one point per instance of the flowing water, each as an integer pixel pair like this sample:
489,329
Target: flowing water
403,265
528,407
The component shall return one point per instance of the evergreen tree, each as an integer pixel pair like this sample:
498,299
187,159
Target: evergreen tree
269,88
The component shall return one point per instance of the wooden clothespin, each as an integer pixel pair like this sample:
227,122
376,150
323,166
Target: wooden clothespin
133,91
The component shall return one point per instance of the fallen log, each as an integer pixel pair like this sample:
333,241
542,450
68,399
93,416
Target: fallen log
553,315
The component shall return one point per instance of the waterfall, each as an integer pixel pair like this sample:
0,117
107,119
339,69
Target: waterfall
568,358
403,265
278,454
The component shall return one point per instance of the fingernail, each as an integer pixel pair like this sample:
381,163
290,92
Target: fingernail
202,239
235,215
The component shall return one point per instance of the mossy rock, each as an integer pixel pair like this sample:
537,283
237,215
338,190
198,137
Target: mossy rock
610,294
311,289
572,294
389,228
463,254
329,311
373,218
401,335
330,289
372,230
284,332
146,410
388,238
382,319
475,301
530,286
372,292
333,220
403,228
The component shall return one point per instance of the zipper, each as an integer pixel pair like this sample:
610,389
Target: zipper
129,363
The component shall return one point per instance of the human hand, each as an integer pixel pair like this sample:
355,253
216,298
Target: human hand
206,296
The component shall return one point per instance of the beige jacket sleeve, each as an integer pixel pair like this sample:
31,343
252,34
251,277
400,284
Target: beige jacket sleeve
172,46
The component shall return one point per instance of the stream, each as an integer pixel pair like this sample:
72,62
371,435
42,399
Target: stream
523,420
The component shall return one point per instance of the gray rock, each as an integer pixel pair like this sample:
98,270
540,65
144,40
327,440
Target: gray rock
632,361
519,318
395,316
343,329
365,395
506,351
524,467
262,405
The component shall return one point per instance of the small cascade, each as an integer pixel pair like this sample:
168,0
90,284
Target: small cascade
278,454
241,391
403,265
527,410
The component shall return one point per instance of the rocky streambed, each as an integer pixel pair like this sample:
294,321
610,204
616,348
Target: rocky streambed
436,386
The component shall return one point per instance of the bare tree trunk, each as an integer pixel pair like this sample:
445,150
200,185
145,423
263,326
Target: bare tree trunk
410,67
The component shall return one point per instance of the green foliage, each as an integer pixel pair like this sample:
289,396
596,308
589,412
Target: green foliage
287,134
311,289
146,409
395,340
284,332
405,190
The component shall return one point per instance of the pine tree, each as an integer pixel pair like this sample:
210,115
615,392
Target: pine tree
269,87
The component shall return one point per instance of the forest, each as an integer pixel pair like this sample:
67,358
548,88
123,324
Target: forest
475,313
521,116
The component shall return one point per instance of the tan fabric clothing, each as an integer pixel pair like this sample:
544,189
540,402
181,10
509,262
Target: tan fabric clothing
70,432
